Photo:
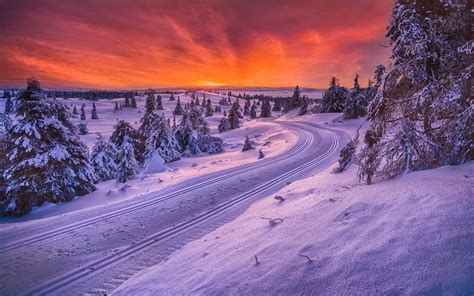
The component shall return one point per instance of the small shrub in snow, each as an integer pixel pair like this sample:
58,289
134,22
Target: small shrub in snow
260,154
82,128
247,144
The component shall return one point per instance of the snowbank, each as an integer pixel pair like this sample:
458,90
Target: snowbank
413,235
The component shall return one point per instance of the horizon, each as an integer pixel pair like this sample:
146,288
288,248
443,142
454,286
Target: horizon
201,44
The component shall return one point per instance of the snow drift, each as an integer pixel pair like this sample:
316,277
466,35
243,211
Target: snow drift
414,235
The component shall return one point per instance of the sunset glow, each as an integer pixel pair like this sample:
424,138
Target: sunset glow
182,43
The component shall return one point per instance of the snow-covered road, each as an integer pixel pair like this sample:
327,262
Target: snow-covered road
92,251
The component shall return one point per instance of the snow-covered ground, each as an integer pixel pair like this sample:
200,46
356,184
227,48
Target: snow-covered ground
413,235
336,236
265,134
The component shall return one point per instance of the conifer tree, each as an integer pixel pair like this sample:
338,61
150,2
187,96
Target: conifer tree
198,122
9,105
103,160
159,103
48,162
186,136
334,97
162,140
178,110
82,127
420,118
253,111
304,106
234,115
247,144
247,108
266,109
209,110
172,98
197,102
356,102
224,124
116,107
127,101
127,167
121,130
83,112
260,154
74,111
146,127
133,103
277,105
94,112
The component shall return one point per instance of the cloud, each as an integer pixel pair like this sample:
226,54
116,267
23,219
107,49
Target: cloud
98,43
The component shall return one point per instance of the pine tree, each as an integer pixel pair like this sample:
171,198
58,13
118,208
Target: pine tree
210,144
334,97
234,115
209,110
277,105
159,103
133,102
304,106
266,109
116,108
186,136
127,167
82,127
356,102
146,127
296,98
74,111
172,97
83,112
197,101
122,130
260,154
9,106
224,124
247,108
253,111
247,144
48,162
162,140
127,101
103,159
178,110
94,112
420,118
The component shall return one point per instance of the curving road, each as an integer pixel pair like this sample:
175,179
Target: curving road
94,251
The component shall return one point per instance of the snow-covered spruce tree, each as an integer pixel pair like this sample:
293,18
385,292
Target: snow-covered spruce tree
247,144
346,156
224,124
198,122
277,105
116,107
356,102
304,106
83,112
146,127
159,103
133,102
217,109
74,110
253,111
197,102
260,154
82,128
94,112
178,110
210,144
247,106
103,158
187,137
9,106
122,130
162,140
127,167
48,162
4,127
419,118
266,109
172,98
234,115
334,97
126,103
371,90
209,109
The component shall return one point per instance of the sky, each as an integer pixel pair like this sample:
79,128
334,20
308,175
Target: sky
145,43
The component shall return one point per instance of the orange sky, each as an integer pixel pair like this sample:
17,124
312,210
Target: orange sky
144,43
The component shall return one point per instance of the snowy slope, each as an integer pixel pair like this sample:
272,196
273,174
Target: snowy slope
414,235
